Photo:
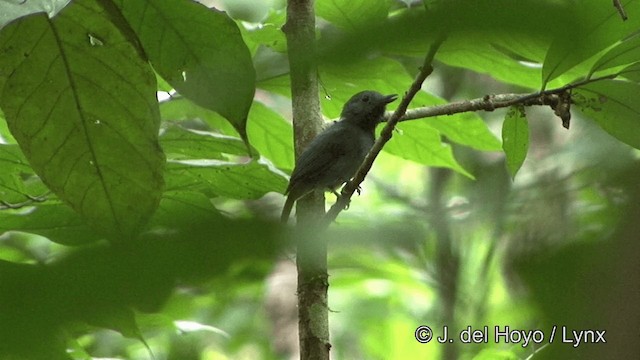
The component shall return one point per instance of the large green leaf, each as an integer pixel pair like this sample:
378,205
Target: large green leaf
180,209
596,26
495,55
183,110
81,103
268,33
55,221
199,51
5,134
352,14
223,178
13,165
515,138
418,141
614,105
180,142
271,135
625,53
632,72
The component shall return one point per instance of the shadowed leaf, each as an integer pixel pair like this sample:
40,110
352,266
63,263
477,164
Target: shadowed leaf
199,51
81,103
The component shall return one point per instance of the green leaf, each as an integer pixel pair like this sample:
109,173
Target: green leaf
19,186
222,178
180,209
5,134
631,72
199,51
352,14
271,135
418,141
627,52
614,105
181,109
269,35
82,105
55,221
13,165
515,138
485,53
180,142
596,26
466,129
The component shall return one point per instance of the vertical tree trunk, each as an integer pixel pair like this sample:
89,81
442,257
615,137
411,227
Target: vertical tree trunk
313,315
447,260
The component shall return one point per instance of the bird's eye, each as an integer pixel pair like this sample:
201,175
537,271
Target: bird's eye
365,98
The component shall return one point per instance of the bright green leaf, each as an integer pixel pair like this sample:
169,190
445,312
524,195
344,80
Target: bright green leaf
181,109
515,138
614,105
55,221
271,135
81,103
418,141
180,208
631,72
221,178
352,14
180,142
598,27
13,165
199,51
625,53
483,53
5,134
466,129
269,35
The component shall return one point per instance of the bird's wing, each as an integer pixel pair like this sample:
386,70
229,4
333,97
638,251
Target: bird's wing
323,153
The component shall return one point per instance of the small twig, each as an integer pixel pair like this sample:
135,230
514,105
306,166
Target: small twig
492,102
385,136
618,5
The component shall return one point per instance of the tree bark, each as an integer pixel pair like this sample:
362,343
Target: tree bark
311,259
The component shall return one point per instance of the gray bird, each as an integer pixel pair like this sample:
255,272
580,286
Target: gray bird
334,156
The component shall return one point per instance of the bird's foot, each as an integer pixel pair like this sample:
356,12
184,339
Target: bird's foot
346,206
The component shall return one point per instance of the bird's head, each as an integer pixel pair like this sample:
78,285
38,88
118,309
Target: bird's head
366,108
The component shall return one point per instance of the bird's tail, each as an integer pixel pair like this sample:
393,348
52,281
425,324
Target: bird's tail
286,210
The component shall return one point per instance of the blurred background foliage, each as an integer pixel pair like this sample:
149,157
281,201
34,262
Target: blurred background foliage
441,234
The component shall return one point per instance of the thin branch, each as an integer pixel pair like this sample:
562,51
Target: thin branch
492,102
618,5
385,136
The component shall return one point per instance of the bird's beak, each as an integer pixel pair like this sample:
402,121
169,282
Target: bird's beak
390,98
